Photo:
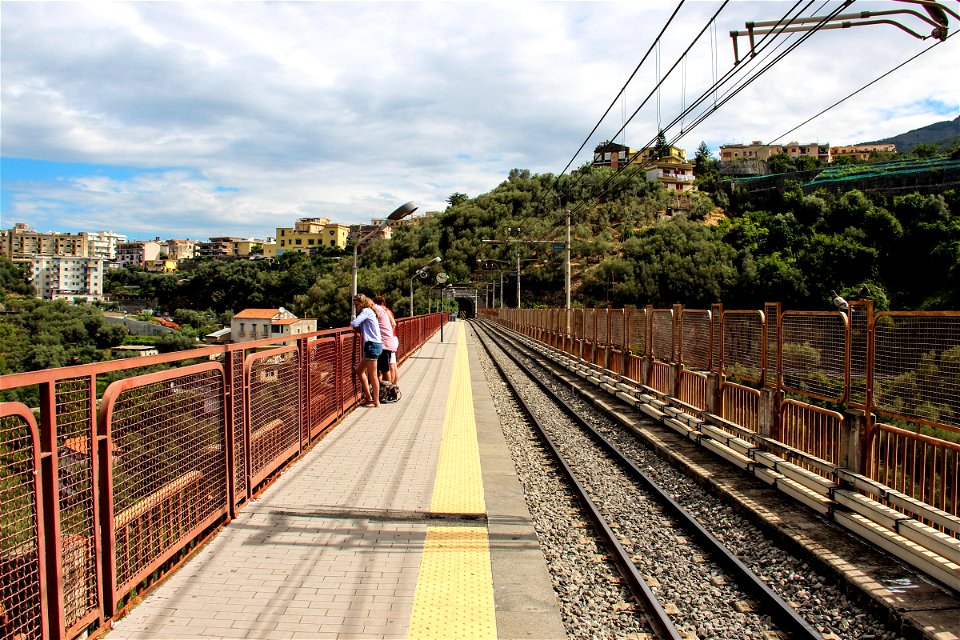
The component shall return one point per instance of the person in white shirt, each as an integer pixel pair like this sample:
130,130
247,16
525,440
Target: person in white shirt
369,326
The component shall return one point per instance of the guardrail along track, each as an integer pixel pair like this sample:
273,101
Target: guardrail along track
635,498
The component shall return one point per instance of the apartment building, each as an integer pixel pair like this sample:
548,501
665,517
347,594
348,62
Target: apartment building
138,252
863,151
756,150
67,277
613,155
103,244
674,175
181,249
21,243
258,324
308,234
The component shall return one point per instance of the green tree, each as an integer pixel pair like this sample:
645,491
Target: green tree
925,150
781,163
456,198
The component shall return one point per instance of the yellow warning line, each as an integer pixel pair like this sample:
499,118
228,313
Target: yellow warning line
454,596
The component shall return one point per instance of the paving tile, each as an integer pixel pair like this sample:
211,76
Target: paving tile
320,553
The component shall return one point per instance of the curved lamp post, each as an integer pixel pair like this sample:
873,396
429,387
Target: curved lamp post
400,212
421,272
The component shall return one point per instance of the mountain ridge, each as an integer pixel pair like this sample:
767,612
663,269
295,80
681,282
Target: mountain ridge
944,134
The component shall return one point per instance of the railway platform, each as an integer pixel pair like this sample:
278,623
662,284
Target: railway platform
406,520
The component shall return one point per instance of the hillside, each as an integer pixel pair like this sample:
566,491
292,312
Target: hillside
945,135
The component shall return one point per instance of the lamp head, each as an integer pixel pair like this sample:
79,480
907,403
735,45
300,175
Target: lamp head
437,259
403,210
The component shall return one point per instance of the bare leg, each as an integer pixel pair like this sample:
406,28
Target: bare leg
374,381
361,372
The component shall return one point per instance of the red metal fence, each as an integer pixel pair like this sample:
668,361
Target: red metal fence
103,492
774,370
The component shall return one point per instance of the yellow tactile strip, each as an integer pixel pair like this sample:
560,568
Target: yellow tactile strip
454,596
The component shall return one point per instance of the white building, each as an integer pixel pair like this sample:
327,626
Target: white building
103,244
67,277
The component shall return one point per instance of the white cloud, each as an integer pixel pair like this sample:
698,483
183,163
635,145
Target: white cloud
237,117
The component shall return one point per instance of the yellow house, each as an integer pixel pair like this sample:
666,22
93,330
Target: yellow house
308,234
161,266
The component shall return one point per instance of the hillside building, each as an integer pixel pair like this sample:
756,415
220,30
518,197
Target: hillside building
103,244
67,277
307,235
21,243
756,150
138,252
258,324
863,151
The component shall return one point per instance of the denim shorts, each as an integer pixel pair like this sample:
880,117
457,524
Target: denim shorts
371,350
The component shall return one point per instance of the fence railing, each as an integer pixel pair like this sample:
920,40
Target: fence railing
855,414
111,472
902,366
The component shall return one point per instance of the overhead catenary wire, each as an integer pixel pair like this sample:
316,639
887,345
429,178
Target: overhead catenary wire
732,73
866,86
623,88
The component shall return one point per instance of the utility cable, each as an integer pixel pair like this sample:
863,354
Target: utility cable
624,87
869,84
729,75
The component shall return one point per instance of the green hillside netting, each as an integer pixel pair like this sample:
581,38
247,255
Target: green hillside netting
882,169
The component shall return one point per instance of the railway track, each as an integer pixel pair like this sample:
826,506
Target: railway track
683,576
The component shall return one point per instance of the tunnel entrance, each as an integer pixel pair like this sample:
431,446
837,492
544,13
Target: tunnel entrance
468,306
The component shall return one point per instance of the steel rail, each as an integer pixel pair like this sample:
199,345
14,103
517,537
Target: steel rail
785,615
656,616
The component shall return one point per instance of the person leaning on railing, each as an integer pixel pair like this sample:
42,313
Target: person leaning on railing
369,326
387,364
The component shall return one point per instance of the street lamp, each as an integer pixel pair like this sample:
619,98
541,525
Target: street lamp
421,272
400,212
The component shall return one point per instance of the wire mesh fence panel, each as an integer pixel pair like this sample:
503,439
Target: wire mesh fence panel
616,328
813,430
771,312
696,339
578,323
235,362
75,471
861,315
742,356
21,609
916,373
168,464
603,326
323,384
349,384
273,409
814,354
637,318
590,325
661,340
923,467
740,405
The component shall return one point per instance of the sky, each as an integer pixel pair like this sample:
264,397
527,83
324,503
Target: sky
200,119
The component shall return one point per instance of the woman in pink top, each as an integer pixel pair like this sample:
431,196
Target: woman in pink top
387,363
